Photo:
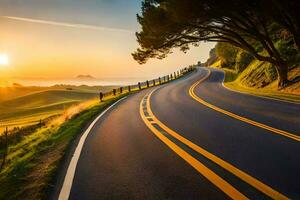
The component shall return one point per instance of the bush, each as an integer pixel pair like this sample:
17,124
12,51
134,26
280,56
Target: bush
243,59
212,57
288,50
227,54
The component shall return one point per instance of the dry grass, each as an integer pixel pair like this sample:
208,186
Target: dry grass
31,163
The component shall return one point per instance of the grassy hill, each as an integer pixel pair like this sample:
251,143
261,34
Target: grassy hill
46,98
247,74
27,105
7,93
260,78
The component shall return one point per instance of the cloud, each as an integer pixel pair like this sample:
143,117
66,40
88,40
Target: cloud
71,25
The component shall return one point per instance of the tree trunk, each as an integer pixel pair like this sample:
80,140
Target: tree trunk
297,41
282,71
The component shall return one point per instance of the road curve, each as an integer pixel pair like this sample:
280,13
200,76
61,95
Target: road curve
163,144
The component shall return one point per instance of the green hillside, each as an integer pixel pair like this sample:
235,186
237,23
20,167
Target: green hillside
259,78
245,73
29,109
46,98
7,93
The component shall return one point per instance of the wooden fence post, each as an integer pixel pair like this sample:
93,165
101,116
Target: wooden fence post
147,82
121,90
139,85
129,88
114,92
5,150
159,80
100,96
153,82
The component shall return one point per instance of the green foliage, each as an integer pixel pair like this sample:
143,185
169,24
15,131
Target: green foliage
243,59
212,53
230,75
227,54
212,57
251,26
270,72
288,50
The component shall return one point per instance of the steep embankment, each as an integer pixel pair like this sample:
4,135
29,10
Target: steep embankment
260,78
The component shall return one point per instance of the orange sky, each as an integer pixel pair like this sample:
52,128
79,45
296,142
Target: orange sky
41,50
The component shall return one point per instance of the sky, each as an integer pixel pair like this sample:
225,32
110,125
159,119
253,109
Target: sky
65,38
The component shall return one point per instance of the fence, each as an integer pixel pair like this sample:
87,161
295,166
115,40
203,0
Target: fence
15,135
4,150
147,83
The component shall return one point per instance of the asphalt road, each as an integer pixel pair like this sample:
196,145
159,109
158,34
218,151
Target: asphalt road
133,152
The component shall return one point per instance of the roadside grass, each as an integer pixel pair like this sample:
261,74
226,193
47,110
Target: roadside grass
256,81
31,163
267,92
230,75
33,159
31,108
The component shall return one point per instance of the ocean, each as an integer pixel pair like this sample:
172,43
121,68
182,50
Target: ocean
75,81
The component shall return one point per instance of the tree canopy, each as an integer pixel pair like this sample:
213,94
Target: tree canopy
252,25
227,53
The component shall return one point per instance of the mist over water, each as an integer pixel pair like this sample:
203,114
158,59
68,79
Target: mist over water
77,82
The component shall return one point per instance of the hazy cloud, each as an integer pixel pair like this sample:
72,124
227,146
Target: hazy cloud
71,25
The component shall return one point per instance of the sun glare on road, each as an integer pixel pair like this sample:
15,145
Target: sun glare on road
4,59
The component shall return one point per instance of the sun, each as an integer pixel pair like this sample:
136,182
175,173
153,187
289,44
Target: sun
4,59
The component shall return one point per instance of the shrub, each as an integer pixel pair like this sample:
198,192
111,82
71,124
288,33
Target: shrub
243,59
227,54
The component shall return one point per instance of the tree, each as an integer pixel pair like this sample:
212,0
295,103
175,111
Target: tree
168,24
212,57
243,59
227,53
286,13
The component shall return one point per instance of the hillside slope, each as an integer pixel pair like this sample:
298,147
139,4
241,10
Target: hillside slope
7,93
260,78
46,98
29,109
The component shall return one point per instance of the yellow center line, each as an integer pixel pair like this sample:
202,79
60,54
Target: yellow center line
202,169
235,116
227,166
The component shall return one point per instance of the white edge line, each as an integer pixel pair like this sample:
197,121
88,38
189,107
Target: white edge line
264,97
68,181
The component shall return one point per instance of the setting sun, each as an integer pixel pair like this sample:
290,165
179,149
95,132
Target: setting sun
4,60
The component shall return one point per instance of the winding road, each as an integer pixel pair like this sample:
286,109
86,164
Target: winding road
192,139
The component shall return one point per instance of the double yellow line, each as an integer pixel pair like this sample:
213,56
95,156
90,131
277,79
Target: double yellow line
152,122
235,116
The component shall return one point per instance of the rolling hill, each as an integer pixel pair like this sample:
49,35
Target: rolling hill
36,105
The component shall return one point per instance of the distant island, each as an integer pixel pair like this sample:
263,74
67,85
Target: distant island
85,77
17,85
